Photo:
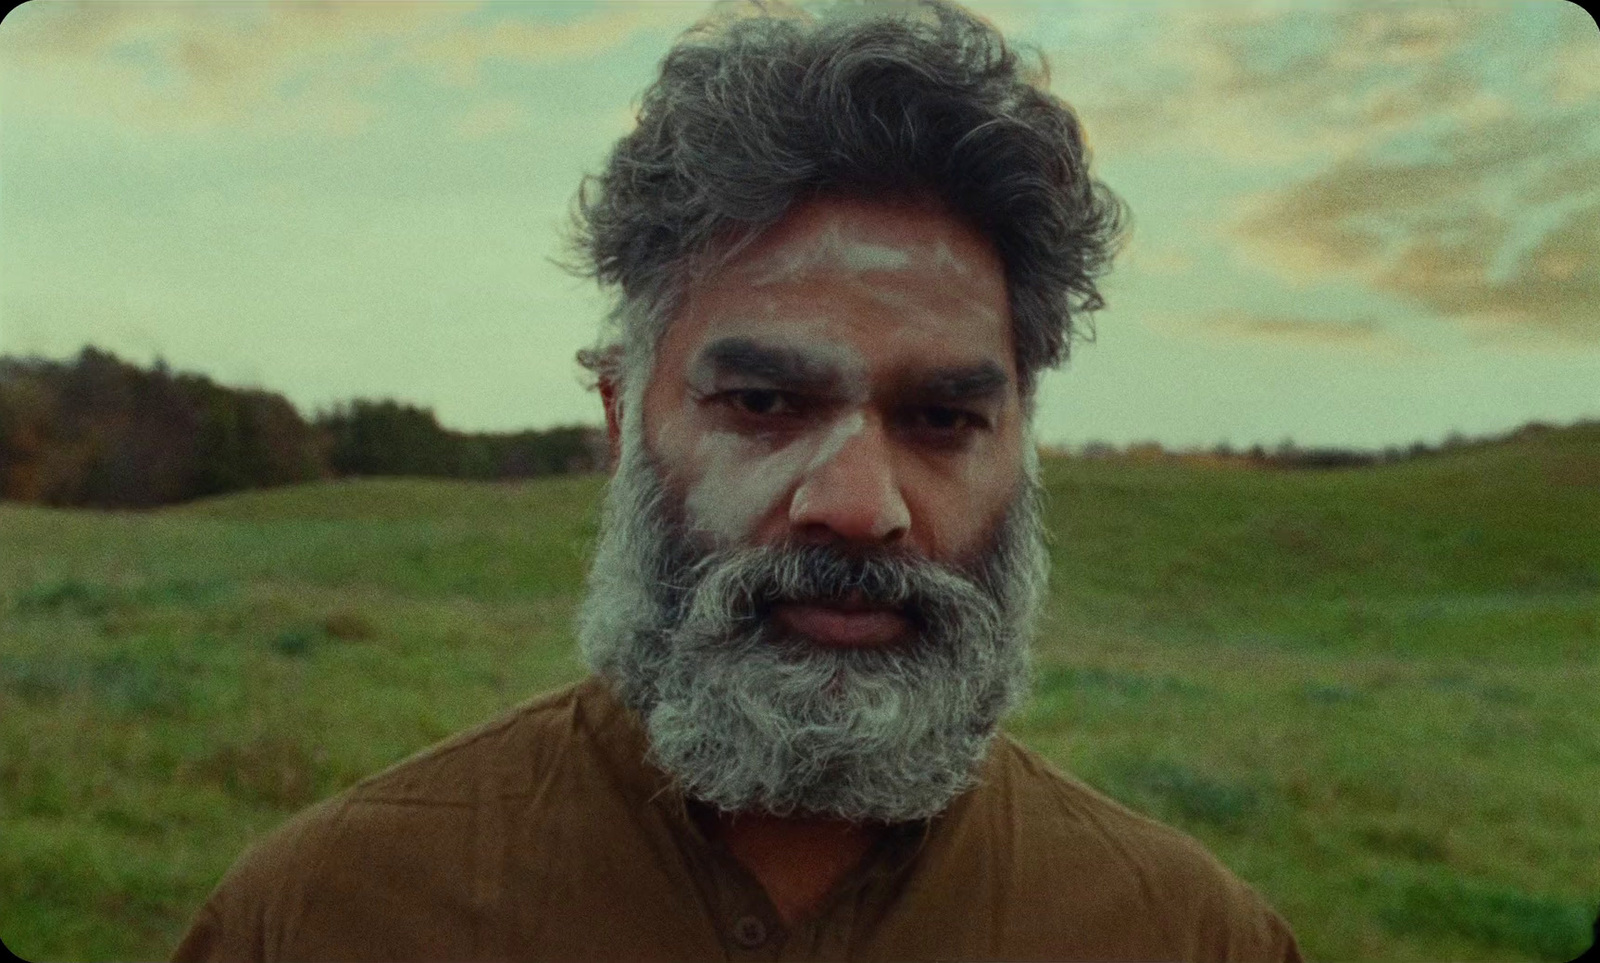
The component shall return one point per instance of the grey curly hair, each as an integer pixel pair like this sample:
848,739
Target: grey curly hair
753,114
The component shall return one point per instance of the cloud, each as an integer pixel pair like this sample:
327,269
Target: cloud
460,55
295,65
1444,154
1277,82
1500,226
1155,259
1553,286
164,67
1573,70
1364,331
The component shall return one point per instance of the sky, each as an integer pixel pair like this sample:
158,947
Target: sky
1355,224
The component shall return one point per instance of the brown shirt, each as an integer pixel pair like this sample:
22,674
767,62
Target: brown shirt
546,835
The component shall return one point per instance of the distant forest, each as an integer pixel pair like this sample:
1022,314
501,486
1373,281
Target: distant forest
99,432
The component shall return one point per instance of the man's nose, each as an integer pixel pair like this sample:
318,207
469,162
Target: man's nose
852,496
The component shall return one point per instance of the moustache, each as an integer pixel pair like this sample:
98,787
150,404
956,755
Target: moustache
746,584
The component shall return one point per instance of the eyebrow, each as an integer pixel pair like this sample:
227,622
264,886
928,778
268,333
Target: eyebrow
983,381
795,369
788,368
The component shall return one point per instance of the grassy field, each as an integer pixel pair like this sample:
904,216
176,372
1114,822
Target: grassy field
1375,693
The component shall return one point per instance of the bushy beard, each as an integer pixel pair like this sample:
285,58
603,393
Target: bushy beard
749,717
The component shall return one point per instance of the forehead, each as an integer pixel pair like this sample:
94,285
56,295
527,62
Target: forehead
859,284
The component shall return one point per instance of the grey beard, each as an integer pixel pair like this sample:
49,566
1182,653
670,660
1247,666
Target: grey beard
750,719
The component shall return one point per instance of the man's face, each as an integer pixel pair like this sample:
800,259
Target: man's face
847,379
822,552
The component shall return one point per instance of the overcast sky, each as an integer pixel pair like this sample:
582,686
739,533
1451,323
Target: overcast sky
1354,223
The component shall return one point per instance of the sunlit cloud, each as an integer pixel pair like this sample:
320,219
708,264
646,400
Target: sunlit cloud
1365,334
304,66
1414,152
1154,259
1502,227
1278,82
1299,329
461,54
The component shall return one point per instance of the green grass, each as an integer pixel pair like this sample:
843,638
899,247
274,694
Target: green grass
1372,693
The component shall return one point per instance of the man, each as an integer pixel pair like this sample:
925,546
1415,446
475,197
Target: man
845,250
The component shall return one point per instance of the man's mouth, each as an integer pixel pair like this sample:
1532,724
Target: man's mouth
844,623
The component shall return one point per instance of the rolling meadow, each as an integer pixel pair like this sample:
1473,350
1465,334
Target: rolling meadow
1374,693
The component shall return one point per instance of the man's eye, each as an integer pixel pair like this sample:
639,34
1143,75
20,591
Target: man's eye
760,401
948,420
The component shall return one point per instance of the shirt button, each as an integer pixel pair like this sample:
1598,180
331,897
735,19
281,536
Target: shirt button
750,932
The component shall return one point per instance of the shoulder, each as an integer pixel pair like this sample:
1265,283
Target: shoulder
412,832
498,757
1059,805
1206,911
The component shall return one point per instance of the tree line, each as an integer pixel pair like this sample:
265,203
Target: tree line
99,432
1288,455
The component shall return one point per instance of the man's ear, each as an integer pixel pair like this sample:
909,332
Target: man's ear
613,403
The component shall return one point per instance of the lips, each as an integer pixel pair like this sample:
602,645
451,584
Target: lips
846,623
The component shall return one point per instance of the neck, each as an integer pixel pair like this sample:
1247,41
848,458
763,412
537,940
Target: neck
798,860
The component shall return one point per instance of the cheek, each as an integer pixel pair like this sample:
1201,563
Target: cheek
740,483
963,506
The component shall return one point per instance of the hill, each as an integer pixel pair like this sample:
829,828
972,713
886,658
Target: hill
1371,691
